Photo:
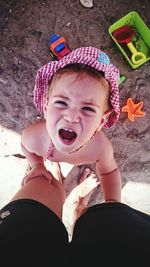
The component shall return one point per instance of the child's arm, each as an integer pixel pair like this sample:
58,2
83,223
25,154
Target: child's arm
32,158
111,184
110,176
30,145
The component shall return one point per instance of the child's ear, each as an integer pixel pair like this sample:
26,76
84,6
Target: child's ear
104,119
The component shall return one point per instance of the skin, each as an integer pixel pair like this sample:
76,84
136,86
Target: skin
88,182
73,109
50,194
68,106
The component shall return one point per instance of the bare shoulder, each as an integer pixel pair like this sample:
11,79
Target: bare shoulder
33,134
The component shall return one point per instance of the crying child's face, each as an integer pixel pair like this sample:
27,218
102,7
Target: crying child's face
76,109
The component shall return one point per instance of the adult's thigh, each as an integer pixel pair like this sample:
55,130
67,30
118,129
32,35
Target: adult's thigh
31,235
109,232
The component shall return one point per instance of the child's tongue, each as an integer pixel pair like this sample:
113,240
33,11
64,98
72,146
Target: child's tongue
67,135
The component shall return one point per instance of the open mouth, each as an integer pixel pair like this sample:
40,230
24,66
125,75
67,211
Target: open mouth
68,136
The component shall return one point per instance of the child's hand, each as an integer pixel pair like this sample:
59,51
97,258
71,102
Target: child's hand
36,171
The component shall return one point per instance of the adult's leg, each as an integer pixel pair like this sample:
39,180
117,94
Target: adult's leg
111,233
51,194
107,233
31,230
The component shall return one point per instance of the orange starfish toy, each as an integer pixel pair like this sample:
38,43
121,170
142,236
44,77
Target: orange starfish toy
134,110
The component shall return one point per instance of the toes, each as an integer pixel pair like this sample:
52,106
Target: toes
90,177
56,171
85,174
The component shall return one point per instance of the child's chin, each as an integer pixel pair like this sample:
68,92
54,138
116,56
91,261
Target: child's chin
66,149
63,148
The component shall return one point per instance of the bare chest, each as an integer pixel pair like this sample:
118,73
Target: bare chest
85,155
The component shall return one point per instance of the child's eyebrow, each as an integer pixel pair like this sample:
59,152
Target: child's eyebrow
61,96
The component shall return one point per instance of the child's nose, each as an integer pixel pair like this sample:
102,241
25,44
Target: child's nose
72,115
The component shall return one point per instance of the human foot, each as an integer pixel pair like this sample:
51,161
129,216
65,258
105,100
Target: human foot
87,184
56,171
82,193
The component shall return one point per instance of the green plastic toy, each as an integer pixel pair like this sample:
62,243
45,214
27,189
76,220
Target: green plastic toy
140,39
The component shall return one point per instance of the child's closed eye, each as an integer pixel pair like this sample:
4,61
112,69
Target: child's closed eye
89,109
60,103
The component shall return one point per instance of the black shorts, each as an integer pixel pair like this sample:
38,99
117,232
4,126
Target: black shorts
111,234
33,234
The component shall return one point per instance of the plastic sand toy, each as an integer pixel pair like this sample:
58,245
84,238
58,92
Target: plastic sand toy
134,110
58,47
140,41
125,35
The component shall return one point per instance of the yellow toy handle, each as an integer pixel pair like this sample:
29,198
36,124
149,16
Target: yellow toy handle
137,57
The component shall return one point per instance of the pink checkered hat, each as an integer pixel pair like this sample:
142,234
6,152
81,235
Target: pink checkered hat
90,56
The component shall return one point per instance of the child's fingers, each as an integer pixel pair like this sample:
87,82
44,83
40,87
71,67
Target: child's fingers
47,175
